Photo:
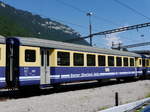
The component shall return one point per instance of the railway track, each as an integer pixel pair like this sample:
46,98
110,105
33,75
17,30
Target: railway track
26,92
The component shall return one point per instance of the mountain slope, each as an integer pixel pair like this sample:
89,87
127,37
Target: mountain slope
14,22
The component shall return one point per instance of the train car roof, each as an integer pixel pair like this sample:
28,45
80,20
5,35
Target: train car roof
145,56
69,46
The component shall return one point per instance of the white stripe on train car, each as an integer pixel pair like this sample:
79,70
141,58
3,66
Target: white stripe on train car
139,72
23,78
92,74
2,79
26,78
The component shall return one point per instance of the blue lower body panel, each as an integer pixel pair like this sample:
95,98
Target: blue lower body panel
2,77
70,74
148,70
29,76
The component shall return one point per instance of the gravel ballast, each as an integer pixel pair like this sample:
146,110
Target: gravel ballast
85,100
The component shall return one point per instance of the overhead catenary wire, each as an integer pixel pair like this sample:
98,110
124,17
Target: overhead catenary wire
67,22
83,11
132,9
78,25
114,30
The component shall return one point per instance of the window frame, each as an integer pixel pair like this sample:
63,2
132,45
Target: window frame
117,61
147,62
83,59
94,64
133,62
140,61
35,58
143,62
59,51
108,61
99,60
126,61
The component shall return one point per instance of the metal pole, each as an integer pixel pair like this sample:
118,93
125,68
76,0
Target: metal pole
116,99
90,27
112,45
90,30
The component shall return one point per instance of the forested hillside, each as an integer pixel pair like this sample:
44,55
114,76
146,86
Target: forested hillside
15,22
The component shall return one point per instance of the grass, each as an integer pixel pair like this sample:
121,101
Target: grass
103,108
148,95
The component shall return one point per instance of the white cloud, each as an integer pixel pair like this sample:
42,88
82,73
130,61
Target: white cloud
112,38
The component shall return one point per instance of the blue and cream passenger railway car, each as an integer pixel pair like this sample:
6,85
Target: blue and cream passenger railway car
2,62
32,61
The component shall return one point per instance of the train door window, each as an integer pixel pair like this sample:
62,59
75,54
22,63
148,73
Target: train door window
132,62
63,58
30,55
48,57
119,61
90,60
42,60
125,61
110,60
78,59
101,60
140,61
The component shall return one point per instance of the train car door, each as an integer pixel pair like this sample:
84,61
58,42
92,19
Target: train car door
12,62
45,68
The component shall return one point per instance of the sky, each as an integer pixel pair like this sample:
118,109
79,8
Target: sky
107,15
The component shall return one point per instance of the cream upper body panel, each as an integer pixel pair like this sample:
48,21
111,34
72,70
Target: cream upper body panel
22,60
2,55
54,52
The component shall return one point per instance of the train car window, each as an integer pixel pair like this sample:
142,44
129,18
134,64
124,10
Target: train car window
90,60
48,58
42,59
140,61
147,63
110,60
125,61
132,62
101,60
143,62
78,59
63,58
30,55
119,61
